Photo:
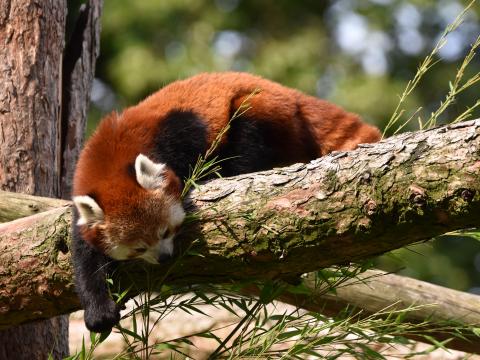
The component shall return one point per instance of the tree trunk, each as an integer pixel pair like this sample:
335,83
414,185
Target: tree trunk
34,131
78,72
32,36
278,223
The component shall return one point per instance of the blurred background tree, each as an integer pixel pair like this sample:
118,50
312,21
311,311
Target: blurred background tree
357,53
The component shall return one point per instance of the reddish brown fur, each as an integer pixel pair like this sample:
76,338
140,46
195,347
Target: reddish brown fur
94,235
101,169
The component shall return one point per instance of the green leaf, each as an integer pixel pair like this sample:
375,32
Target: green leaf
282,318
134,324
193,308
326,274
123,294
129,332
370,353
393,340
270,290
289,334
165,346
300,289
325,340
93,337
169,346
228,308
82,352
185,340
299,349
401,317
209,335
476,331
204,297
437,344
194,253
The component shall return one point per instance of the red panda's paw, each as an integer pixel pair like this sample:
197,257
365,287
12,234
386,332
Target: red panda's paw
102,317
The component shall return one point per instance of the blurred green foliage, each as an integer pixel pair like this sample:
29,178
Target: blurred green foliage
357,53
452,261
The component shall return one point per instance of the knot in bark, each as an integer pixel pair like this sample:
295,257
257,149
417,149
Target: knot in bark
418,196
365,178
467,195
370,207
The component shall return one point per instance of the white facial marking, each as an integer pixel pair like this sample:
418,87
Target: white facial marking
148,173
176,214
119,252
88,210
166,246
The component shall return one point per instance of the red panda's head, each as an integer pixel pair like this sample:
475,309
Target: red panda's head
139,219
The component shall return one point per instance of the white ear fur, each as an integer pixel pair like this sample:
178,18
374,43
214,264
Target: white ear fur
88,210
149,174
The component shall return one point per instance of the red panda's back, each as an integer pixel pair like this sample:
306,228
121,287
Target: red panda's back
297,121
216,96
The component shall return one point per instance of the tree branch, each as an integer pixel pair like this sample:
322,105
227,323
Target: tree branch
17,205
277,223
376,291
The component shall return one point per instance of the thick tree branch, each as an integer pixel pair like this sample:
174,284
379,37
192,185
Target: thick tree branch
17,205
35,270
283,222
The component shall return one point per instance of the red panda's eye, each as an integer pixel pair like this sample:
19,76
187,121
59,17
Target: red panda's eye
167,233
140,250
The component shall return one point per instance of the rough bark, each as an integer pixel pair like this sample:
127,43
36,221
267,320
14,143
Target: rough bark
35,270
31,34
34,128
278,223
15,206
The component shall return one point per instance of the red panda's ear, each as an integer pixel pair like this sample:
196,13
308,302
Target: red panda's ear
88,210
150,175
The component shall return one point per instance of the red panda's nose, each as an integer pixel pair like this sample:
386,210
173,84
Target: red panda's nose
163,257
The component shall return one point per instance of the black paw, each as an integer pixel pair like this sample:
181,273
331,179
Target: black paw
102,317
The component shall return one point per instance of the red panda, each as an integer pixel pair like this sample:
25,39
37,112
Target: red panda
130,174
